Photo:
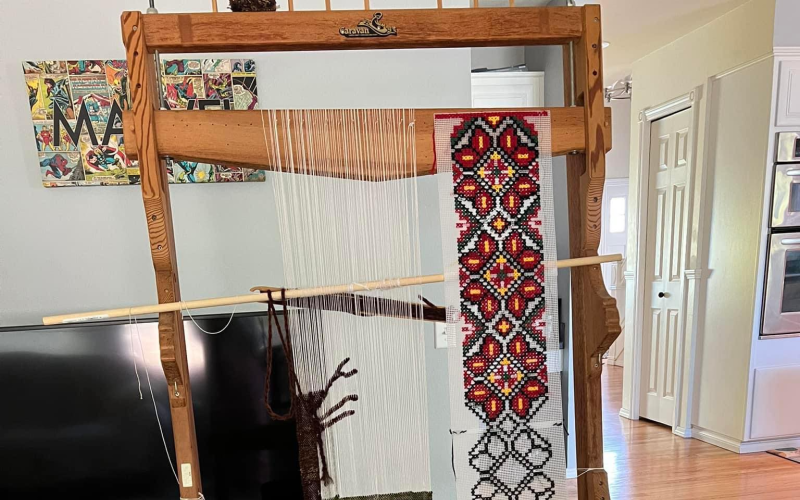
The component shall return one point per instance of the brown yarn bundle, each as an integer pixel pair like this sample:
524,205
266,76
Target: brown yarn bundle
305,408
253,5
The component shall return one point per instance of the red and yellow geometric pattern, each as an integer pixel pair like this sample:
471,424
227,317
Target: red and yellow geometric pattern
502,283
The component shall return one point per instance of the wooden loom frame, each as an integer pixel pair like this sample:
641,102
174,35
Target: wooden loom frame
581,130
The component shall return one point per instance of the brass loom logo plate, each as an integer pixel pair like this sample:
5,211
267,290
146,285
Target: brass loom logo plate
369,28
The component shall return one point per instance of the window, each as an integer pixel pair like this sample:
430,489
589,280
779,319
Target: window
616,215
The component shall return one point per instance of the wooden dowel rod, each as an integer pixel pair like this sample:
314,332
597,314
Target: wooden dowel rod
299,293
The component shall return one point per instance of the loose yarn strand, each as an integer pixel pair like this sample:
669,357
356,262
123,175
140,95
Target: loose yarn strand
153,398
201,497
586,471
133,355
233,313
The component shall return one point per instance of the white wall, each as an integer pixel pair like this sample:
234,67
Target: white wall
618,159
737,145
70,249
742,36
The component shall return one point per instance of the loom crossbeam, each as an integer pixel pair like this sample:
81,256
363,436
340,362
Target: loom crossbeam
236,138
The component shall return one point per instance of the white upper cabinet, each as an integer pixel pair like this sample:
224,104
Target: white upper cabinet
788,112
524,89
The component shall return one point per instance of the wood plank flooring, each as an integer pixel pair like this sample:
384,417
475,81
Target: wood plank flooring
646,461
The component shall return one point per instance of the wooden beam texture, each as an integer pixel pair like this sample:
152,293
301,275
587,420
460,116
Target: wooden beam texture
155,193
595,318
237,138
319,30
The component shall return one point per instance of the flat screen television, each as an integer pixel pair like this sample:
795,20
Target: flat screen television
72,424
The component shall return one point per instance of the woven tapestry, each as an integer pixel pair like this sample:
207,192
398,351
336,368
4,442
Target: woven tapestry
499,249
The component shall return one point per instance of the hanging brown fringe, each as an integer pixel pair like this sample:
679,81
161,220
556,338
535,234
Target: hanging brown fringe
305,407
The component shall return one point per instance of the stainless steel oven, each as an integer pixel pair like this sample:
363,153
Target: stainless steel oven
782,293
786,186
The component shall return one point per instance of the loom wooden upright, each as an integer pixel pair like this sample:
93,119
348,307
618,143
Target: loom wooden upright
581,131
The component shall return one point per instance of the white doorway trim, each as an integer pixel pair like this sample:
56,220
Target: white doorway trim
613,272
635,278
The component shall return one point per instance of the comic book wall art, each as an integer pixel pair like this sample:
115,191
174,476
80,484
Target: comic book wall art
76,107
190,84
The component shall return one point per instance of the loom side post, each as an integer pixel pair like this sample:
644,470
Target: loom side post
144,92
595,318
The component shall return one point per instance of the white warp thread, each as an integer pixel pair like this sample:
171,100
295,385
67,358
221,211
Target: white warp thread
362,228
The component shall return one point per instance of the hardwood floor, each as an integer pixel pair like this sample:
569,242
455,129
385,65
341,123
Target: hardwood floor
646,461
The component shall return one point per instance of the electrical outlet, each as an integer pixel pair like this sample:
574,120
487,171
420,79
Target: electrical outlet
440,335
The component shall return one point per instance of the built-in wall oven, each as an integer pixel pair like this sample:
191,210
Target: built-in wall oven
781,315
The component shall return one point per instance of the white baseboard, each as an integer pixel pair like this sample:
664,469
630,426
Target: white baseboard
682,432
737,446
572,473
625,413
758,445
716,439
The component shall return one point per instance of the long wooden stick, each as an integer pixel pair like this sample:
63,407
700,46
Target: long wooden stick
298,293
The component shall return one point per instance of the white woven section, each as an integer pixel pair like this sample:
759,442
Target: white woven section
476,447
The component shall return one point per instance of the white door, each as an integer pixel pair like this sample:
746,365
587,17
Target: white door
664,265
516,89
614,239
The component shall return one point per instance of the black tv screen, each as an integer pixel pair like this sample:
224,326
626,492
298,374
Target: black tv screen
72,424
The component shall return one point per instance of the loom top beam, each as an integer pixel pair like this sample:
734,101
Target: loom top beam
314,30
236,138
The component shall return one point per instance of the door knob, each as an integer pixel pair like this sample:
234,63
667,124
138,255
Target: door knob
661,295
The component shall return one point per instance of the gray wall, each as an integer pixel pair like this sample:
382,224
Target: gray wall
72,249
69,249
497,57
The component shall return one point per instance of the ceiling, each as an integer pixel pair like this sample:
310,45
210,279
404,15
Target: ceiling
635,28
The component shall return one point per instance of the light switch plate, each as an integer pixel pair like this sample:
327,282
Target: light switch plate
440,335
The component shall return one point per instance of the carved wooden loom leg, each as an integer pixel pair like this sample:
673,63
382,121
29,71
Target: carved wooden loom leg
595,319
155,192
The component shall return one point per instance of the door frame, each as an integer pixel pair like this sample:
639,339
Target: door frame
635,278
